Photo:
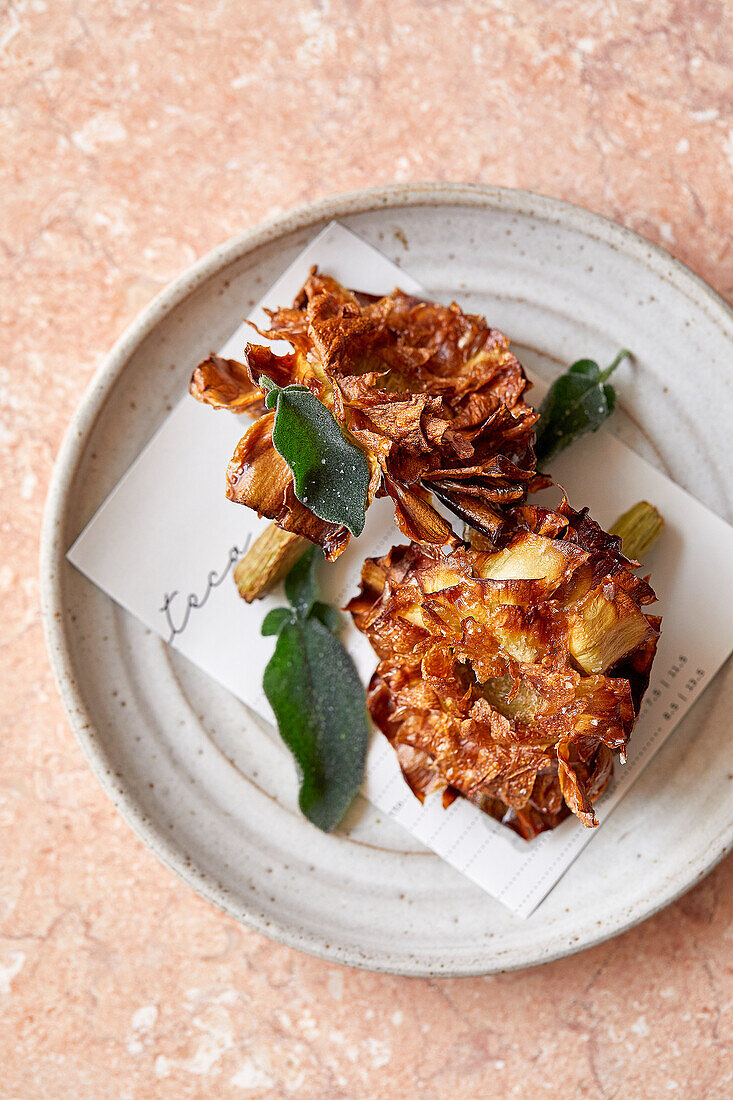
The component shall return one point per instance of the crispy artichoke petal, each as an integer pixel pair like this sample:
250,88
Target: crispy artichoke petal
226,384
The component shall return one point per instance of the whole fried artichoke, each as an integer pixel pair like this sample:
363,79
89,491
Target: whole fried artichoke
432,395
510,677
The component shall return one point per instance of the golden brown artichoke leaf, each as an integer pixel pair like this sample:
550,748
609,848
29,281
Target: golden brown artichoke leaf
226,384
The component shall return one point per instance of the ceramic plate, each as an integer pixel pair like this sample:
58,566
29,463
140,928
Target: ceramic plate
194,772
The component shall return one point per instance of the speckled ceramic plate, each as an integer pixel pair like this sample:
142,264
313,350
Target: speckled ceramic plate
188,765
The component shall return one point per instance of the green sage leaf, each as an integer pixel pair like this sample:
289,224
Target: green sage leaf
301,583
328,615
577,402
274,620
317,696
319,702
330,473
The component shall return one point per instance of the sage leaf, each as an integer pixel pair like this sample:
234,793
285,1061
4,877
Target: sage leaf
275,620
319,703
330,473
317,697
301,583
328,615
577,402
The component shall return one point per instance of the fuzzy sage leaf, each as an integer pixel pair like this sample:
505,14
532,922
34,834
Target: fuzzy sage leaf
301,583
577,402
318,699
330,473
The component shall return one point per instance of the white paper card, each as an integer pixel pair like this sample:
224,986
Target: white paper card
169,512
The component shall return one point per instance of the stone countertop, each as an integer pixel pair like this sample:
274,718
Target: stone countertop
135,137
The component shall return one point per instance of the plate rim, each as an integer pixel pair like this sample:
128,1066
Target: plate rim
52,557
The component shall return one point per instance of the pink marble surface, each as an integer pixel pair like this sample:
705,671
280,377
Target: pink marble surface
134,137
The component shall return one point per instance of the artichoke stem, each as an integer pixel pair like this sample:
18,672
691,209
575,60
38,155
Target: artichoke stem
638,529
269,558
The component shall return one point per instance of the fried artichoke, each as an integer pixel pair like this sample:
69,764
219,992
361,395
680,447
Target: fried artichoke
510,677
432,395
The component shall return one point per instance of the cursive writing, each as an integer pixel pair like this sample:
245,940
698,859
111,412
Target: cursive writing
193,601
